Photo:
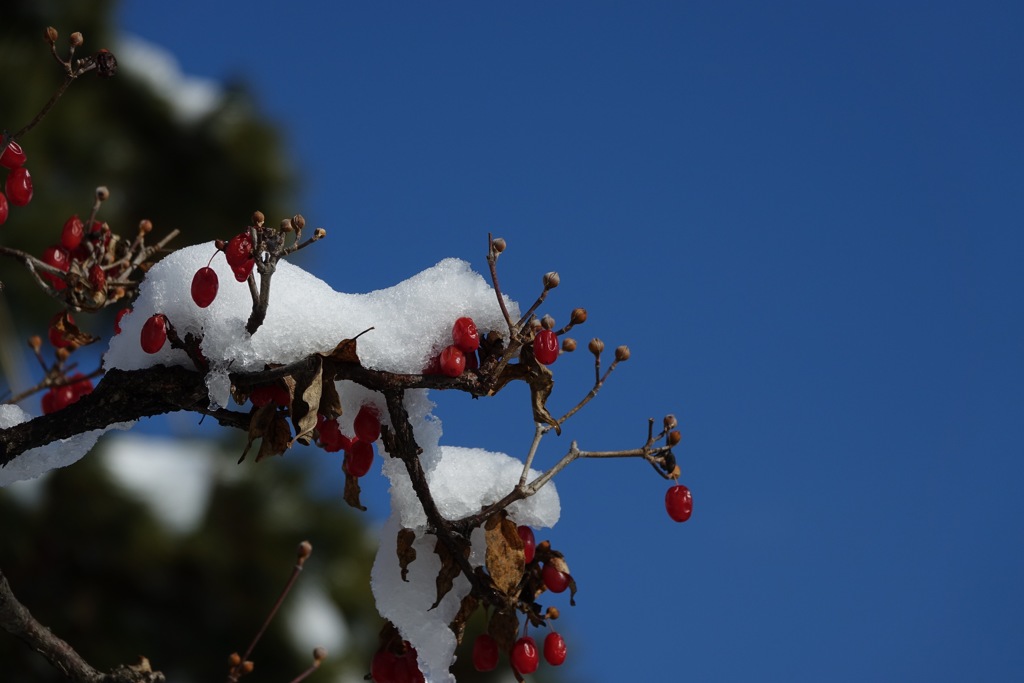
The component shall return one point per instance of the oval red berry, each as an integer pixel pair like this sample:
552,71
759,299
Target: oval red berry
529,542
4,208
204,286
154,333
72,233
465,335
13,156
367,424
679,503
19,186
545,347
485,653
555,580
452,361
525,657
554,649
359,458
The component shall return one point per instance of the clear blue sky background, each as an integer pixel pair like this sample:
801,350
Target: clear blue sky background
804,218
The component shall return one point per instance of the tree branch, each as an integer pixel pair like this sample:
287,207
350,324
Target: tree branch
19,622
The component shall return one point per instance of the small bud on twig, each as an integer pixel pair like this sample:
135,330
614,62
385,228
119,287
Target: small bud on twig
499,244
551,280
552,613
622,353
319,654
670,422
145,226
35,342
596,346
568,344
76,39
234,660
674,437
102,193
547,322
304,551
62,354
298,221
319,234
51,35
579,316
247,667
286,225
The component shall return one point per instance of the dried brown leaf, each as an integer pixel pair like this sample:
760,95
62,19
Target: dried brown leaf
345,352
259,424
505,558
466,609
406,553
330,401
449,571
305,387
277,438
504,628
69,331
542,381
352,492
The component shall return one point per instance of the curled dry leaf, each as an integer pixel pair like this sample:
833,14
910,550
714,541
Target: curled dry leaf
505,558
268,424
448,572
466,609
305,387
352,492
406,553
70,332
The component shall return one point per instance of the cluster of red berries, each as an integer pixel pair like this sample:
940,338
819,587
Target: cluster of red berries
58,398
238,252
359,447
524,656
18,187
74,247
388,667
460,355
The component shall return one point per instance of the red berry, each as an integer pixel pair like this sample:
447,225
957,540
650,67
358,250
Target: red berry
359,458
204,286
19,186
13,156
117,319
465,335
485,653
679,503
154,333
4,209
556,581
97,278
331,437
545,347
554,649
524,655
452,361
58,258
238,249
529,542
269,393
72,233
382,668
367,424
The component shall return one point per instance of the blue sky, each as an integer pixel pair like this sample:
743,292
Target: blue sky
804,219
